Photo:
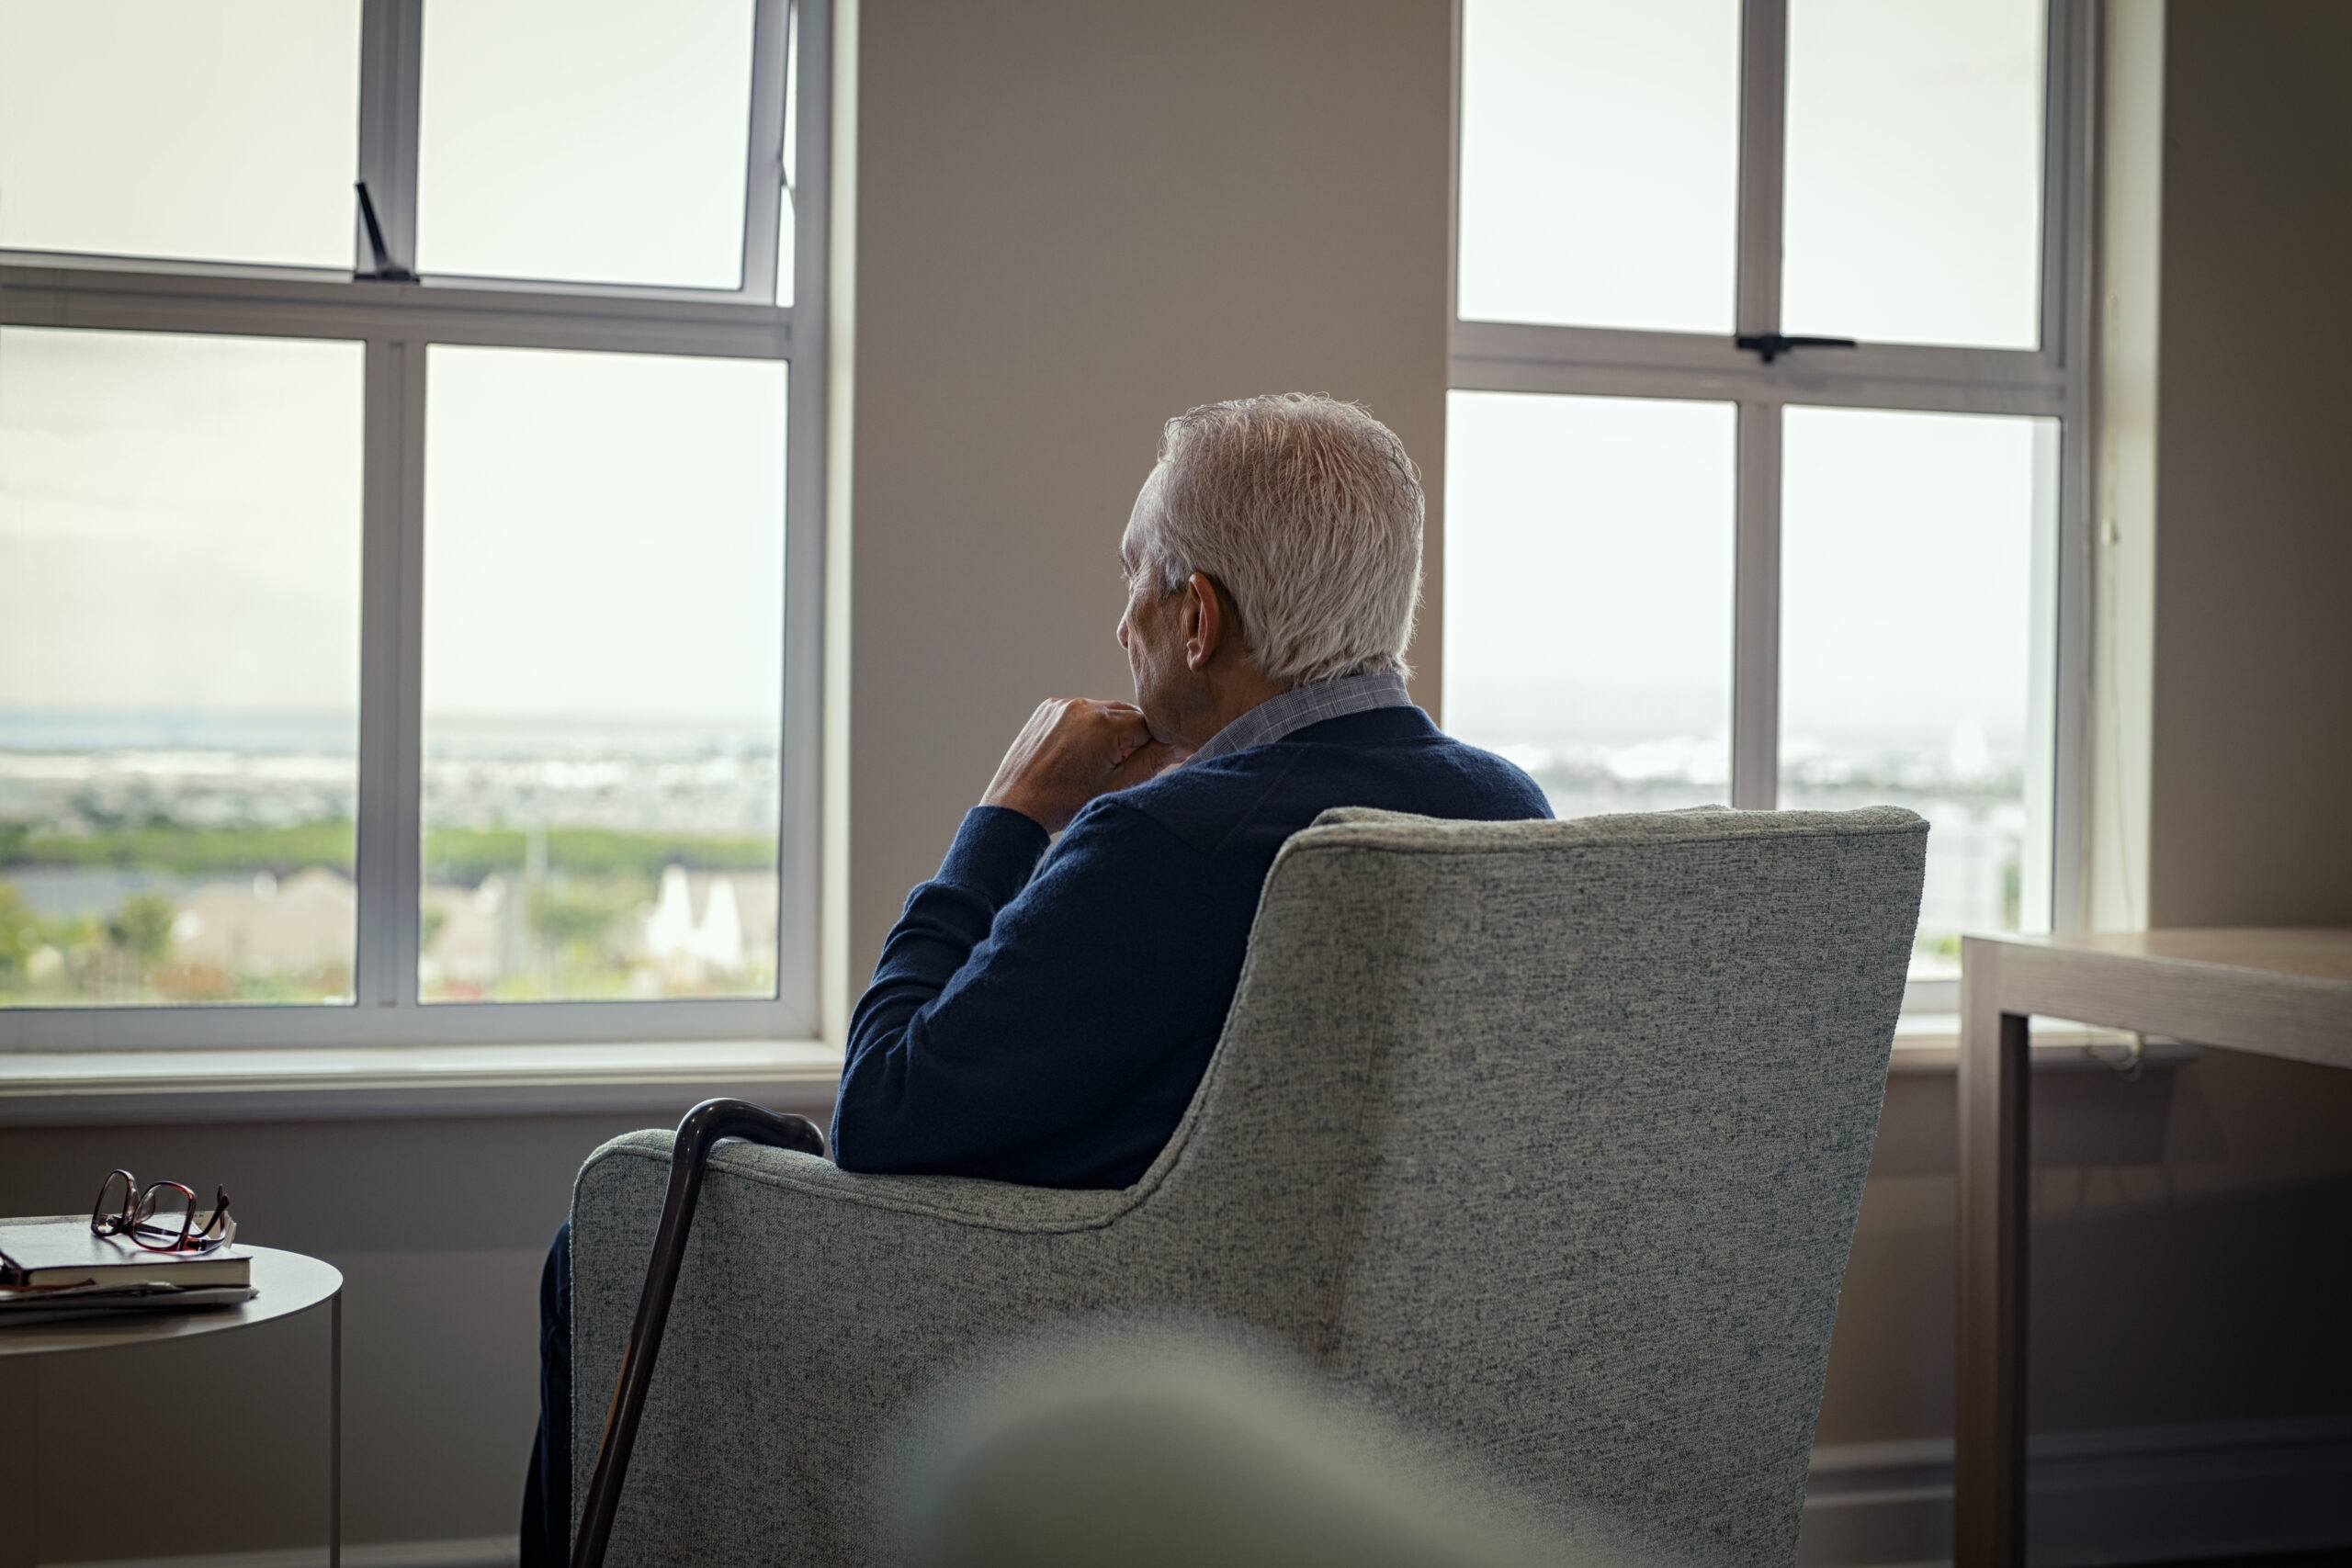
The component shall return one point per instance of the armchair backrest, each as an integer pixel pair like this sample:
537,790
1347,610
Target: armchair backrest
1576,1115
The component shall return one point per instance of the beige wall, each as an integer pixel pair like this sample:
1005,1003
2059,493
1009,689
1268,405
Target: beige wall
2251,763
1075,220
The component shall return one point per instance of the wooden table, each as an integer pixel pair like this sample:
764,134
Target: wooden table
285,1284
2283,992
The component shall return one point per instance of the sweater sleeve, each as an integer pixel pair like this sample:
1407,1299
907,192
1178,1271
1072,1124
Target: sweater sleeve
1008,1008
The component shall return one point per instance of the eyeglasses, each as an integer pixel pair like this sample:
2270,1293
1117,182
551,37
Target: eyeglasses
164,1218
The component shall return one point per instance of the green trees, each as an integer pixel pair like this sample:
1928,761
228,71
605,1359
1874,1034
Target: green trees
19,936
142,927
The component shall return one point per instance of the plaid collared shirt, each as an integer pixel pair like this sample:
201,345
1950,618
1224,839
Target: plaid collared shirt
1303,705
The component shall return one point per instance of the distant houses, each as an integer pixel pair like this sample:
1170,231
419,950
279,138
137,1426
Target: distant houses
265,926
711,926
292,938
677,938
703,931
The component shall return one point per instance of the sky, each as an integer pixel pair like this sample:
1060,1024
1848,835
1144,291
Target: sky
157,127
559,139
1589,563
604,535
180,528
180,521
628,140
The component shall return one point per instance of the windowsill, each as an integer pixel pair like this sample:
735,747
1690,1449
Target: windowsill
1929,1043
361,1082
358,1082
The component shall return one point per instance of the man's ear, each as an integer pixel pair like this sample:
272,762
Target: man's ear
1206,626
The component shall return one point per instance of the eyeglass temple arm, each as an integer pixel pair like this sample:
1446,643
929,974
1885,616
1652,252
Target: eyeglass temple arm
697,1134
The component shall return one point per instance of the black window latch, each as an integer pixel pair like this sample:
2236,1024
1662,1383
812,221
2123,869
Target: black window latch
1769,346
385,271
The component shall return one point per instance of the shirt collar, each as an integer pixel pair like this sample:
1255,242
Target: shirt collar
1302,706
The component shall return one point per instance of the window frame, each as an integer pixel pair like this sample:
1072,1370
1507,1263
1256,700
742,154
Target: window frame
2053,381
397,322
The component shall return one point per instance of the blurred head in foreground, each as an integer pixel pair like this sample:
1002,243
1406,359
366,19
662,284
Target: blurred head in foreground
1150,1443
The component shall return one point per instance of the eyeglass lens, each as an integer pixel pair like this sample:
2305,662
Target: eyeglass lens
166,1211
115,1198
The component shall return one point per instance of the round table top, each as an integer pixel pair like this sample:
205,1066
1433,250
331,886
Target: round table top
287,1282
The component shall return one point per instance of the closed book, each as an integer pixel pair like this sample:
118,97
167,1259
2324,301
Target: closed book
21,1306
64,1250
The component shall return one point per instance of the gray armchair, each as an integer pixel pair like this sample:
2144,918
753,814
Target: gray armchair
1546,1137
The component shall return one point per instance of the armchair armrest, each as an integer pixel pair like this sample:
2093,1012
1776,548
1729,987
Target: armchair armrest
812,1305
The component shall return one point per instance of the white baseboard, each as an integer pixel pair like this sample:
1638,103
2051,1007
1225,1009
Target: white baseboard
2136,1494
480,1551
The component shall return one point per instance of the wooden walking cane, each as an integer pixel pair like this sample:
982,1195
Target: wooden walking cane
697,1133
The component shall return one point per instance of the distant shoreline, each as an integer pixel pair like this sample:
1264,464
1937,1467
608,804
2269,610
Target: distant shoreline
53,731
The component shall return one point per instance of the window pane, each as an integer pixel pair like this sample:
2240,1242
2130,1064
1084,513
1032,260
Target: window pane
180,127
1906,580
179,668
1588,594
597,140
1914,195
1600,163
604,637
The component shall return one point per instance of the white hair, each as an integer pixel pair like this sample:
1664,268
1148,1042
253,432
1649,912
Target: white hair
1308,513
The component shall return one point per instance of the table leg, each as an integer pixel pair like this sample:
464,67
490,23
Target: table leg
1995,1161
334,1433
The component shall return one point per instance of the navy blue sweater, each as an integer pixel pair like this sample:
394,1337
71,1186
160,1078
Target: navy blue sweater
1050,1030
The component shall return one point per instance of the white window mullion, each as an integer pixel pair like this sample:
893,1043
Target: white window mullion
811,70
1492,359
391,57
772,68
406,775
2068,326
376,969
1755,593
2037,878
2064,169
1756,612
127,300
1763,134
800,912
390,646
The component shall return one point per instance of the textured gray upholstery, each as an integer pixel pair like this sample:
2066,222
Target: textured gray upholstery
1547,1136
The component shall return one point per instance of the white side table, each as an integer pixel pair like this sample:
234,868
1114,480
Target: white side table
289,1284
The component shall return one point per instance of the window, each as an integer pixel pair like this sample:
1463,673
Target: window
1693,556
408,593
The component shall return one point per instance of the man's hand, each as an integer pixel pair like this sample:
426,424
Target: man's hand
1072,750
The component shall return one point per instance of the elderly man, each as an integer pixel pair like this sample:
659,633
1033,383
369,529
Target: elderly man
1043,1011
1043,1016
